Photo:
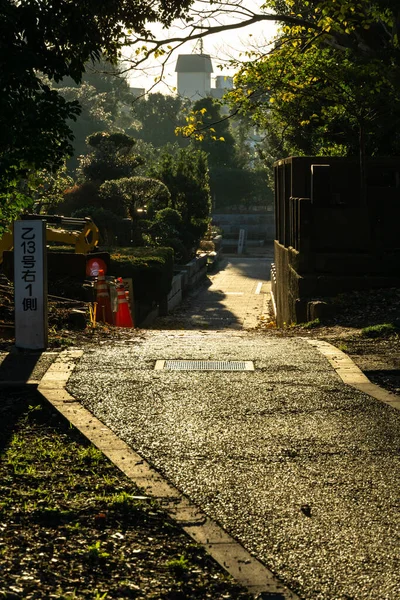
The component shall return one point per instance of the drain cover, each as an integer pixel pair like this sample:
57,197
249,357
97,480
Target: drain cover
204,365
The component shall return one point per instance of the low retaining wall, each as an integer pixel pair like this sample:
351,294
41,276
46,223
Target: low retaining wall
184,281
193,272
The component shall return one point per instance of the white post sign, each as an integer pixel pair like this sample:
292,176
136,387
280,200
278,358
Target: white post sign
242,236
30,284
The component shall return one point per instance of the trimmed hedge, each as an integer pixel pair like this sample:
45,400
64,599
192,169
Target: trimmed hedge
151,270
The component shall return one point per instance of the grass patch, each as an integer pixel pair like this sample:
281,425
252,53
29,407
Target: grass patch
311,324
376,331
73,526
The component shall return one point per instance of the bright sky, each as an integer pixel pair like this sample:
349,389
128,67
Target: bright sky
221,47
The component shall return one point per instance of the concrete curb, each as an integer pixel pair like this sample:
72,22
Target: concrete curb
236,560
351,375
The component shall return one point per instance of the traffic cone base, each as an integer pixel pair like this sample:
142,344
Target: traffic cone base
123,317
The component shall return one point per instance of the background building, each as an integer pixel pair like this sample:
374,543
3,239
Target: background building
194,77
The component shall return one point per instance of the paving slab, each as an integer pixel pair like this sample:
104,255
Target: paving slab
234,297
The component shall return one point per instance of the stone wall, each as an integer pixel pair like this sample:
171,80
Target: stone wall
330,239
259,226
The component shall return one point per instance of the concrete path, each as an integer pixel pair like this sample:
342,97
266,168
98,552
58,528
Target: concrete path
235,298
302,469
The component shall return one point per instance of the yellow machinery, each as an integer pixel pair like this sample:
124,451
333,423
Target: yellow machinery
85,239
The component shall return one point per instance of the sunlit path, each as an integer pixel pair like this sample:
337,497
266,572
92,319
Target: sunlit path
235,298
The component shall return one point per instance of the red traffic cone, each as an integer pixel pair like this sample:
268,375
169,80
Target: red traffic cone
104,312
123,317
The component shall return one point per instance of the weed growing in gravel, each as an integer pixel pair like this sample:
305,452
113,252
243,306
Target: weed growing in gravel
94,553
178,566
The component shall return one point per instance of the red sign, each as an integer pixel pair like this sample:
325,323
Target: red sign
94,265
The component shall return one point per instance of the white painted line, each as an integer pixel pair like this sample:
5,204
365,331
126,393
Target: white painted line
159,365
259,286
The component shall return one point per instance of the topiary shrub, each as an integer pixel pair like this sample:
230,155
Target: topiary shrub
113,196
108,222
145,192
77,197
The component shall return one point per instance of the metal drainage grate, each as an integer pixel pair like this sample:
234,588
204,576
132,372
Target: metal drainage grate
204,365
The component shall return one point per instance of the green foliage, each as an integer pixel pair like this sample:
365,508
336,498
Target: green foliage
167,230
240,187
331,84
111,157
46,41
90,455
31,143
101,95
123,502
179,566
311,324
110,225
151,270
50,188
170,218
236,178
181,253
187,177
113,197
95,554
140,193
220,144
158,115
382,330
79,196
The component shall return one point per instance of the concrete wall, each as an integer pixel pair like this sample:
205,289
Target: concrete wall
187,278
258,225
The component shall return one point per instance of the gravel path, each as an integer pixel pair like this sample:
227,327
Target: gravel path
303,470
300,468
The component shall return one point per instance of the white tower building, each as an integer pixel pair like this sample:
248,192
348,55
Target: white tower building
194,75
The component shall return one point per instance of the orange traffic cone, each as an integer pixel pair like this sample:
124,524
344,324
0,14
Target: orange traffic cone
104,312
123,317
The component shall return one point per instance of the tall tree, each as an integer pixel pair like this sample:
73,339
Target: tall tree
54,40
158,115
368,28
186,176
105,101
220,144
111,157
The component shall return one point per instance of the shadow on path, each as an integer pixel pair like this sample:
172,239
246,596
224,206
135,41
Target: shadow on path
202,310
18,367
15,397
